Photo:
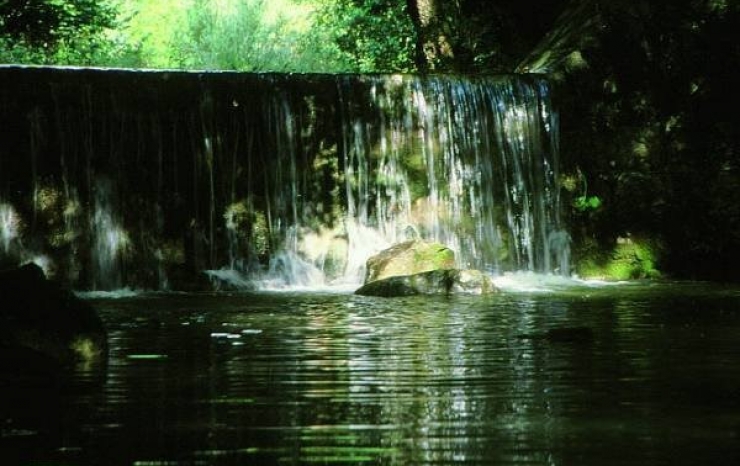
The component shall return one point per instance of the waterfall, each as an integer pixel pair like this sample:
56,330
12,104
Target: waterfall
471,163
109,238
9,227
279,180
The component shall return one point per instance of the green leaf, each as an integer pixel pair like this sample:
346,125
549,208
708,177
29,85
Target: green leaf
586,203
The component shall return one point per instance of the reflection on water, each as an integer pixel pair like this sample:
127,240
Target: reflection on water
648,375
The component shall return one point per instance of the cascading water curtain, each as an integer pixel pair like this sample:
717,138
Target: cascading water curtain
469,162
294,178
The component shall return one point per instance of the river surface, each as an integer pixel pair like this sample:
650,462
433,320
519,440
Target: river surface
633,374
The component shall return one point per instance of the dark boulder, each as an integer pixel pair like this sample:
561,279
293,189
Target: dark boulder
44,327
435,282
425,283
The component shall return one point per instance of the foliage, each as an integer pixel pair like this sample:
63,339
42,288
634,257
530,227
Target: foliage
250,36
261,35
373,35
154,27
585,203
655,98
626,259
46,22
61,32
246,35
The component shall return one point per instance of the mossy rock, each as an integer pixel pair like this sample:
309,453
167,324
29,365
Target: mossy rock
409,258
420,268
435,282
473,282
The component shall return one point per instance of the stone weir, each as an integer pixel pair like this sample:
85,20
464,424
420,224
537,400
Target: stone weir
114,178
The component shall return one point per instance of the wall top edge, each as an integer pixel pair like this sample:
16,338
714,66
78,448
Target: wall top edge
206,72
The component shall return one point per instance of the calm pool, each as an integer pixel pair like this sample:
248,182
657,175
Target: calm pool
633,374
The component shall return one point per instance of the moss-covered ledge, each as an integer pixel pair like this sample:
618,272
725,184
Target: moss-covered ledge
628,258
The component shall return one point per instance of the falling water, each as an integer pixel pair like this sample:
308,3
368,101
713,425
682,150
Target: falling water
279,180
12,249
110,240
469,163
9,227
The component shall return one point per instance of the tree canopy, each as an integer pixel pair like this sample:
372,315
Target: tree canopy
277,35
57,31
44,23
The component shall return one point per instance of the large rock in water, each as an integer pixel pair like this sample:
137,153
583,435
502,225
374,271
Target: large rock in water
409,258
420,268
44,328
432,282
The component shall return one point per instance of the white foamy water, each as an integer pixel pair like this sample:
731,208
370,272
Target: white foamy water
9,226
110,294
230,278
531,282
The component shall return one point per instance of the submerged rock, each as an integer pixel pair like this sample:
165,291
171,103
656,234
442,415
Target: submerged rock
474,282
44,327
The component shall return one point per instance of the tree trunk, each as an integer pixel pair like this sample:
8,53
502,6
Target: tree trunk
433,47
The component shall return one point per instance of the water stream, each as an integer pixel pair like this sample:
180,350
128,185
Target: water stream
576,374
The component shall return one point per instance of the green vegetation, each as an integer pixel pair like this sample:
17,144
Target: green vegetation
628,259
274,35
79,32
647,111
371,35
246,35
583,202
254,35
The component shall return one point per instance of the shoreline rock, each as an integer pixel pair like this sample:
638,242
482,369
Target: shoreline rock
40,321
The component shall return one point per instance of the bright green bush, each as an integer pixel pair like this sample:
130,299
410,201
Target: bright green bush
628,259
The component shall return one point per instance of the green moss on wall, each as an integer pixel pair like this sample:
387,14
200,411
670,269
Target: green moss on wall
628,259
